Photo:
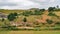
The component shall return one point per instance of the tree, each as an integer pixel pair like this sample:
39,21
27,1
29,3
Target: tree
3,19
51,9
11,17
15,14
57,6
25,20
42,10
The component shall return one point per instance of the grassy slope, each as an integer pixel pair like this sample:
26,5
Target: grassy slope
57,13
11,11
28,32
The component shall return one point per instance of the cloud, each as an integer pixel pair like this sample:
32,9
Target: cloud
17,4
52,0
25,4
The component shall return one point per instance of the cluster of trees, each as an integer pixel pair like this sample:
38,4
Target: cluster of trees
50,9
13,16
27,13
35,12
40,12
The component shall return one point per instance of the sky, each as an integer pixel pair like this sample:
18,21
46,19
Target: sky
26,4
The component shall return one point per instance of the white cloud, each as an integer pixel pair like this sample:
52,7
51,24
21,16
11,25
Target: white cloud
52,0
25,4
41,0
19,4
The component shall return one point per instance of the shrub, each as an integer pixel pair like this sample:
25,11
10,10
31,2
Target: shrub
56,29
52,14
38,12
49,21
37,29
27,13
42,10
25,20
15,14
58,23
12,28
3,19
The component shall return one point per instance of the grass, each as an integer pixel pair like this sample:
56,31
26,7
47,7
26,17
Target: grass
11,11
4,32
29,32
57,13
46,32
16,32
30,19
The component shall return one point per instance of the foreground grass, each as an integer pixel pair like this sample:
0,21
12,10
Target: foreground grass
29,32
16,32
46,32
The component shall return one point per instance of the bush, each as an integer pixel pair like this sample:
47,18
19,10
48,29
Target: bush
9,28
12,28
3,19
38,12
58,23
25,20
27,13
52,14
49,21
56,29
37,28
42,10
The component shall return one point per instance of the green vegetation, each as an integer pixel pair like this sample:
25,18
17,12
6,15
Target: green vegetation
39,12
52,14
3,19
49,21
39,19
12,16
25,20
30,32
51,9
